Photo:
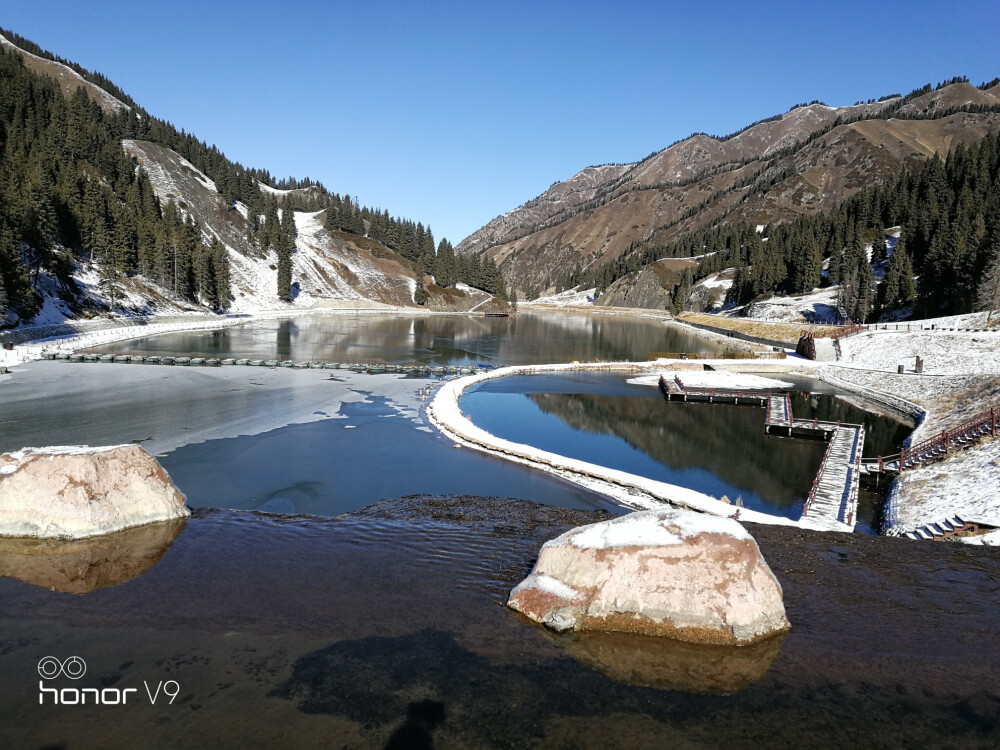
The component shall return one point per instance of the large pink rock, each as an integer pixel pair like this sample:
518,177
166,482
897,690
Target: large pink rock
671,572
73,492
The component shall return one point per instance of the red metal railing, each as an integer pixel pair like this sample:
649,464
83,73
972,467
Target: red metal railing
930,449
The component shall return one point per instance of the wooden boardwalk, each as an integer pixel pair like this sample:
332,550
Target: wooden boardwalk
779,412
833,499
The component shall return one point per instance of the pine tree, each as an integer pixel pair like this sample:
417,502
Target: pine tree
897,287
284,274
420,294
444,264
989,288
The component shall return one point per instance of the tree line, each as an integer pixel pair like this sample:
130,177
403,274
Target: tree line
69,190
949,215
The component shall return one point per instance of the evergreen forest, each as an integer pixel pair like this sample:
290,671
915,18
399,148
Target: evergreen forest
946,261
69,193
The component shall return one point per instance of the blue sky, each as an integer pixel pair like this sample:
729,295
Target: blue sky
451,113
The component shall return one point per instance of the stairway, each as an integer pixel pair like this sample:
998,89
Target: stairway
826,350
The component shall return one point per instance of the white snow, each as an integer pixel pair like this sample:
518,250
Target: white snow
272,191
652,529
720,379
819,306
991,539
569,298
633,530
549,585
59,450
715,282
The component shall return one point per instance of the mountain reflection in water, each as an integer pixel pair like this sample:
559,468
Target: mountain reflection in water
429,339
718,449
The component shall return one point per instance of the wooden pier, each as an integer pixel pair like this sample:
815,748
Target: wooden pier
833,499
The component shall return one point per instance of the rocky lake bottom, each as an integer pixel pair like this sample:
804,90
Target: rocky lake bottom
387,628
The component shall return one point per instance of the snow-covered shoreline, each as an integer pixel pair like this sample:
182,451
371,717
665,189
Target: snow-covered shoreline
142,327
630,490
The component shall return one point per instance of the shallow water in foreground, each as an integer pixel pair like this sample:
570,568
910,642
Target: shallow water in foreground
290,632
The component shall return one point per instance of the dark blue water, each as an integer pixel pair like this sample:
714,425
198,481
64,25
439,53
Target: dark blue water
718,449
333,466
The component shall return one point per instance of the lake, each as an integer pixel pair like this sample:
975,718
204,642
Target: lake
718,449
440,339
325,443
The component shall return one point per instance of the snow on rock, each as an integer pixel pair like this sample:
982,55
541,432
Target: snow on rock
664,572
72,492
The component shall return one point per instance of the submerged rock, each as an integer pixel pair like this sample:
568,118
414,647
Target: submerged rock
668,664
670,572
72,492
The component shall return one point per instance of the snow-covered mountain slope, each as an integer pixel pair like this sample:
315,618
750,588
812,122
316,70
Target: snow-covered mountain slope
328,268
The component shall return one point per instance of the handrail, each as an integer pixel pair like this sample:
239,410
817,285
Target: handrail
918,453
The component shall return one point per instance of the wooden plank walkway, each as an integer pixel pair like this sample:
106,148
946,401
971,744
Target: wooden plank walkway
779,412
833,499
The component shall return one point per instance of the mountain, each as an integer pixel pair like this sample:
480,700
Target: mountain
103,207
805,161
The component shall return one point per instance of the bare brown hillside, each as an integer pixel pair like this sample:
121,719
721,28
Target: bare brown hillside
68,79
799,163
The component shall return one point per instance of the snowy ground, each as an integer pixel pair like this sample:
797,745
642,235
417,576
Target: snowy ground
714,379
965,485
569,298
961,379
817,307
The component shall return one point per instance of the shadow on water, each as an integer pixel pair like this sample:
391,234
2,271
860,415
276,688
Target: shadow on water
418,732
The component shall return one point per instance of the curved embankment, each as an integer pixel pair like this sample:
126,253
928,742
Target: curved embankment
630,490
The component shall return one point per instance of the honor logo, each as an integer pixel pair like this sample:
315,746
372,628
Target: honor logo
74,668
50,667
